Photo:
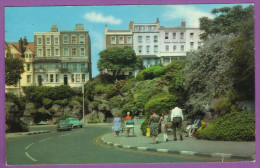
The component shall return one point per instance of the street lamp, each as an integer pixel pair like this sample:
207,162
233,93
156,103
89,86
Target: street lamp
83,110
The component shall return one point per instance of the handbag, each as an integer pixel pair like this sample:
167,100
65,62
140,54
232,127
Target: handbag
166,126
148,132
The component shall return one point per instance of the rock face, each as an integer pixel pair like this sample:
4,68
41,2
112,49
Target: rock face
95,115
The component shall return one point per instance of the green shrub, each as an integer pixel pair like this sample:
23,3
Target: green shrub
129,107
72,103
61,103
160,105
95,121
47,103
52,110
32,111
151,73
128,86
144,126
42,110
116,102
140,76
63,117
235,126
95,104
19,101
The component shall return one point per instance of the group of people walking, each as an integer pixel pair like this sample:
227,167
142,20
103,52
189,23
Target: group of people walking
156,121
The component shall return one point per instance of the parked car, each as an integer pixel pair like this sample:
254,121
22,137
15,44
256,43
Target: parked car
74,122
63,125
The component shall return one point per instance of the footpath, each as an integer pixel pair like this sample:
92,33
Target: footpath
189,146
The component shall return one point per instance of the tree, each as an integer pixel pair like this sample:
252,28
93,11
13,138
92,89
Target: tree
13,70
227,21
206,72
117,59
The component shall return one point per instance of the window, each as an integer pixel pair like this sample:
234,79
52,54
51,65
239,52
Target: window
39,52
199,44
81,39
121,40
82,51
48,41
167,48
191,45
174,47
182,47
113,40
28,67
72,77
56,40
47,77
66,52
39,41
57,77
51,77
74,39
191,35
129,40
57,52
26,55
139,39
182,35
155,39
166,35
147,49
174,35
77,77
140,49
147,39
83,77
48,52
65,39
28,78
30,55
156,49
74,52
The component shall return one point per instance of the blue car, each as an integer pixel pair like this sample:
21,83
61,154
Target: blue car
74,122
63,125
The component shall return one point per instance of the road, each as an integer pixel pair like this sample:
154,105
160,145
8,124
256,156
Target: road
82,146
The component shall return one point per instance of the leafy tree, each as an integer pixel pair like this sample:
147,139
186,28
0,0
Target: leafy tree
13,70
205,74
227,21
117,59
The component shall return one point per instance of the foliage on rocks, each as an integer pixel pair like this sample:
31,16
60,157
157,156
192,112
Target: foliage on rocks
151,73
47,103
97,120
235,126
61,103
13,70
116,102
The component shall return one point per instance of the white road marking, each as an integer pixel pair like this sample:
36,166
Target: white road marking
70,133
27,147
27,154
45,139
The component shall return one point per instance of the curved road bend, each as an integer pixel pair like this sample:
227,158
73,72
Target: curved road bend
82,146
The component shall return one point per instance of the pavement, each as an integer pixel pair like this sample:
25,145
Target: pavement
189,146
17,134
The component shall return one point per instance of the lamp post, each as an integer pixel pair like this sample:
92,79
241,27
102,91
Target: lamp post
83,110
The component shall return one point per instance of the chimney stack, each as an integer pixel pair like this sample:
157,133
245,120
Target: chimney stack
24,41
79,27
54,28
131,25
183,23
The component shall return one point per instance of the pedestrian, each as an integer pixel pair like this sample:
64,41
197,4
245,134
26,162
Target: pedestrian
117,124
164,125
154,126
177,119
128,117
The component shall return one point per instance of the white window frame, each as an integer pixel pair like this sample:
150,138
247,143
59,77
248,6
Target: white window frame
182,35
147,49
39,37
156,49
29,78
48,49
46,41
58,41
121,42
191,45
67,52
129,40
81,40
72,41
155,39
113,41
83,77
140,39
77,77
148,39
174,35
191,35
166,36
182,48
83,52
140,48
28,68
55,52
39,53
174,47
65,42
167,47
51,77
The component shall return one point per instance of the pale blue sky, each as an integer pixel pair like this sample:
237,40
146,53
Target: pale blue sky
24,21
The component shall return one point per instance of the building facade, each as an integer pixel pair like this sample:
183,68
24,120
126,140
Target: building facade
62,57
25,51
157,44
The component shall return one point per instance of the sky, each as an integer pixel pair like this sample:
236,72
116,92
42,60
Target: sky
24,21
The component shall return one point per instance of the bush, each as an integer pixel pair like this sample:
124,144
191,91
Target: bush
95,104
63,117
129,107
128,86
61,103
52,110
19,101
47,103
72,103
95,121
32,111
116,102
236,126
144,126
151,73
160,105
